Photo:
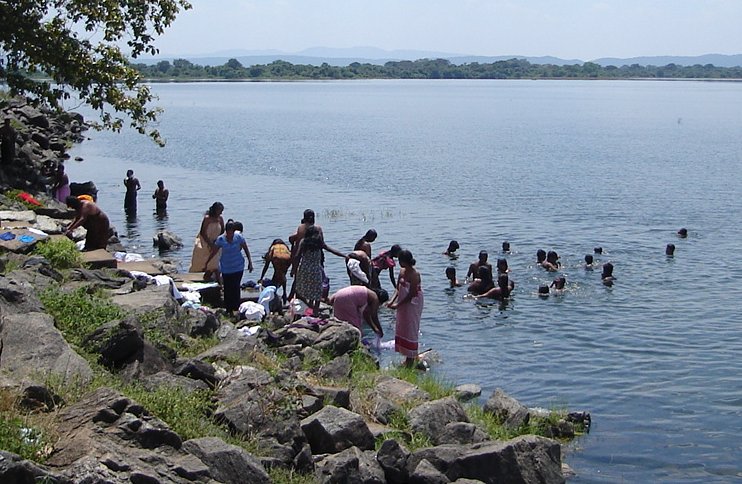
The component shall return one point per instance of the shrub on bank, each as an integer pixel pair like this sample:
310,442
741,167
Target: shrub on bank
61,253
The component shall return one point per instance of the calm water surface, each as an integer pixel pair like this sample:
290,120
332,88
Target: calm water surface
555,165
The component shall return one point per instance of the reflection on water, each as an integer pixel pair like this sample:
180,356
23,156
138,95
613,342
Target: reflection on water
132,225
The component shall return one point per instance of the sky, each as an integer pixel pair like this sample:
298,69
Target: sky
570,29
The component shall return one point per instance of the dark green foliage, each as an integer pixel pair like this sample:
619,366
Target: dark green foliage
431,69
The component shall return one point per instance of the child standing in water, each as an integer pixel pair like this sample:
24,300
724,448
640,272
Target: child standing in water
408,301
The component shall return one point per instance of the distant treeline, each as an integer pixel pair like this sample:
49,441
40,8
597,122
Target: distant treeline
181,69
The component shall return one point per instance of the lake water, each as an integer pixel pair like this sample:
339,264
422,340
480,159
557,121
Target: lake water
656,359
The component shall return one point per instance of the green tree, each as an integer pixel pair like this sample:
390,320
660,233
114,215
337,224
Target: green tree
84,47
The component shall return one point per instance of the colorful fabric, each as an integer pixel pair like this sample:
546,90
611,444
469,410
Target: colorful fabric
62,193
231,259
7,236
309,275
349,303
383,261
280,256
407,329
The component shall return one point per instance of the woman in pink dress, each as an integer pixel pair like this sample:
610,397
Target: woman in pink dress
408,301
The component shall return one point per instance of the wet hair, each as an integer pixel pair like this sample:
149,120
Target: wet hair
670,249
230,226
238,226
312,238
395,251
370,235
559,282
450,272
552,257
588,259
160,183
502,265
308,217
73,202
129,172
506,246
453,246
405,256
543,290
540,255
683,232
214,209
607,270
483,253
598,250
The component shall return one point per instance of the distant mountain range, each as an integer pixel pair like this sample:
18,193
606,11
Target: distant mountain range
373,55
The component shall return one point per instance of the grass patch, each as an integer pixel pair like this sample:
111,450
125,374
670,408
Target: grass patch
27,435
78,313
280,475
61,253
434,386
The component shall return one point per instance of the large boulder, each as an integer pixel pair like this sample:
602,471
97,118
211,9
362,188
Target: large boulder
117,342
338,338
32,345
333,429
392,457
351,466
431,418
508,410
14,469
148,300
18,294
166,240
524,459
227,463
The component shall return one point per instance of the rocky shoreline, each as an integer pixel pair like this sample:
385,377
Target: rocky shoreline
115,381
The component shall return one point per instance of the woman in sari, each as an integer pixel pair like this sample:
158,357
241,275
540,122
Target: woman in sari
408,301
212,227
310,272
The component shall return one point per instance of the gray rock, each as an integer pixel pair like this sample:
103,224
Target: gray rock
468,391
32,345
336,369
117,342
36,397
524,459
14,469
430,418
508,410
338,338
392,457
227,463
441,456
339,397
399,391
426,473
18,216
334,429
235,346
200,323
298,336
198,370
352,466
163,378
462,433
384,410
18,294
166,240
150,299
48,224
